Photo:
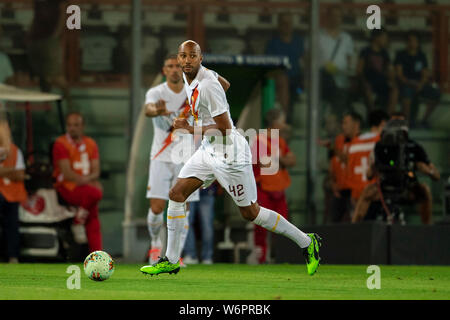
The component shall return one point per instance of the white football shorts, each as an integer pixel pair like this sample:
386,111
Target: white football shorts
233,170
162,176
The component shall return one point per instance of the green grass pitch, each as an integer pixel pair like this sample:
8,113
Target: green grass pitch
228,282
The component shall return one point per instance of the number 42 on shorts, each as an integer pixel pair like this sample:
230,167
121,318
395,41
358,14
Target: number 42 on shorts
237,190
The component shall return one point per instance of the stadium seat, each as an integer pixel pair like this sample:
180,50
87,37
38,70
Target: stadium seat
150,45
24,18
407,22
172,43
159,19
210,19
243,21
115,18
227,45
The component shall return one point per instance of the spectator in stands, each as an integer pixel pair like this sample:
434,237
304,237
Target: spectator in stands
204,210
45,48
376,73
6,68
12,190
76,165
341,206
416,192
336,53
414,80
271,188
287,43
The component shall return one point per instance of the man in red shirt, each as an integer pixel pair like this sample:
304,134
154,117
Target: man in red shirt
271,187
76,165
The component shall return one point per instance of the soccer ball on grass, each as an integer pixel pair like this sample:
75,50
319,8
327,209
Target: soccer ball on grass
99,266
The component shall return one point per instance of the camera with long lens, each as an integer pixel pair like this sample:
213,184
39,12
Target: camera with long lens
391,160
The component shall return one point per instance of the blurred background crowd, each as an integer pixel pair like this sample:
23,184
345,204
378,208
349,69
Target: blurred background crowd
366,79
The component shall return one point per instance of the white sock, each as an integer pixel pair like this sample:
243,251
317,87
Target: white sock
176,219
274,222
154,223
184,233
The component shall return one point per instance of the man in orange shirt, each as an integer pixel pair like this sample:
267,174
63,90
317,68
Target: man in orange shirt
76,165
271,188
12,190
340,206
359,153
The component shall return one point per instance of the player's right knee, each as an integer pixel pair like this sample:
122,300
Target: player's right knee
177,196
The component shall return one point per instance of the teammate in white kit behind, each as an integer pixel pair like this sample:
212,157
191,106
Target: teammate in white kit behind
224,155
164,103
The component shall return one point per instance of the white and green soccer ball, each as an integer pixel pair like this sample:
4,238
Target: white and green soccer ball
99,266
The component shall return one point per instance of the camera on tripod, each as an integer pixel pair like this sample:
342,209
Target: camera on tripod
391,163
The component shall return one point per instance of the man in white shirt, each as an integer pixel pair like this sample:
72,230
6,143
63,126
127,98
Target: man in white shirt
336,55
163,104
223,155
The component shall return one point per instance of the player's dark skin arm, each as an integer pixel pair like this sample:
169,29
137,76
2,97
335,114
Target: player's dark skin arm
222,124
224,83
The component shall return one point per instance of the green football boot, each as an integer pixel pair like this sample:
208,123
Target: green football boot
311,253
162,266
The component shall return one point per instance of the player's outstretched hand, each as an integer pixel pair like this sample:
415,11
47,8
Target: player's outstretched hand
161,108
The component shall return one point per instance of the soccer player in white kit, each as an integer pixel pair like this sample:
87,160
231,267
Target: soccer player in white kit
223,155
164,103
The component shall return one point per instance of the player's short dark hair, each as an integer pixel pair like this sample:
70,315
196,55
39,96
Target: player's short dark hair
355,116
75,113
376,117
272,116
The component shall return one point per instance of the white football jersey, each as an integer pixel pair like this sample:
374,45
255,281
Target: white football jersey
206,97
175,102
208,100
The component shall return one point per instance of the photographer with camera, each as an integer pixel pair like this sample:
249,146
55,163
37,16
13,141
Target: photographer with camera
394,164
